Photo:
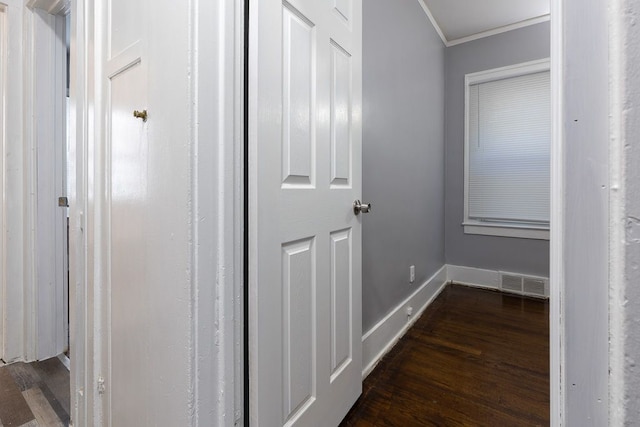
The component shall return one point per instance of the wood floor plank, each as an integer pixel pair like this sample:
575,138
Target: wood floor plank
56,376
43,412
60,410
24,375
14,410
475,358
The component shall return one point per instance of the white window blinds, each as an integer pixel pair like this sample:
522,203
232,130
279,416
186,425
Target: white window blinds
509,134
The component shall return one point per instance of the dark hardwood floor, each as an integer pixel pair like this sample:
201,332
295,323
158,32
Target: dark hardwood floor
475,358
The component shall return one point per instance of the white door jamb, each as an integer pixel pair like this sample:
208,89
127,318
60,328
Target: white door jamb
556,244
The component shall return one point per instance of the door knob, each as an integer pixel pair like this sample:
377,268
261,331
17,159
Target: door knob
140,115
361,207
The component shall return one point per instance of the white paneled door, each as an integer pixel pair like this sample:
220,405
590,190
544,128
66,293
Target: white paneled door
142,217
305,239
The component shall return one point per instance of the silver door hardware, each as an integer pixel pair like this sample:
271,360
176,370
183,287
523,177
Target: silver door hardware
361,207
63,202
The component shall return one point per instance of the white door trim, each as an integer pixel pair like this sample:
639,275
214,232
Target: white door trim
15,191
81,95
581,281
218,213
556,243
30,182
3,243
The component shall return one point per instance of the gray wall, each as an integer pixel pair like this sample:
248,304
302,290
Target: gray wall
403,153
495,253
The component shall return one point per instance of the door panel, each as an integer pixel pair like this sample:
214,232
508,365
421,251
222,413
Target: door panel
143,217
129,347
126,342
341,297
297,115
341,102
305,243
343,7
124,24
298,285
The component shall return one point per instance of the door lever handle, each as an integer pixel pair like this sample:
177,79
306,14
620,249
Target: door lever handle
361,207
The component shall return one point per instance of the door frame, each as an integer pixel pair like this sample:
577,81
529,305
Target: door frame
224,58
45,93
3,243
556,244
15,251
31,307
583,192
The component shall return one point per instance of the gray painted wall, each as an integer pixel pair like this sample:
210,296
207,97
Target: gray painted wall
403,153
495,253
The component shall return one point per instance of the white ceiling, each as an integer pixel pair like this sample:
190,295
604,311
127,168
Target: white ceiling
462,19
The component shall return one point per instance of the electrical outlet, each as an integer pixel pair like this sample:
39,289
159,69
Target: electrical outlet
412,273
409,311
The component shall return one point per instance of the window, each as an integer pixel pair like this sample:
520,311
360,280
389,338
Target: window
507,145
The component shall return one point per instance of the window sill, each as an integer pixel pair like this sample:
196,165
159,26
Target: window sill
507,230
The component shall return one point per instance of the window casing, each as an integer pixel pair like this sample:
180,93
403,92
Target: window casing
507,149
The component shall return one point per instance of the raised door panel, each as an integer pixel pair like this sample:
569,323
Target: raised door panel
341,300
340,116
298,113
127,319
298,292
343,9
125,24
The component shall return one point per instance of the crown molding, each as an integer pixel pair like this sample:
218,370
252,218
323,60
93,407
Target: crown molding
499,30
433,21
482,34
54,7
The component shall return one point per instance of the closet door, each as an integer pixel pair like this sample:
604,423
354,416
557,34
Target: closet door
142,217
305,120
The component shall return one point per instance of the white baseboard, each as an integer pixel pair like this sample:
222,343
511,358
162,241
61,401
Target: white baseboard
65,361
476,277
380,339
385,334
489,279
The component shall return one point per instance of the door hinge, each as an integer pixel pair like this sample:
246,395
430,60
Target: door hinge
101,386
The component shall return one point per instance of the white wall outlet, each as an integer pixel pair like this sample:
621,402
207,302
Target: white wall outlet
412,273
409,311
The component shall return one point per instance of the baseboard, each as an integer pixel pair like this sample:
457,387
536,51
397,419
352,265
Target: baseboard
65,361
476,277
491,279
385,334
